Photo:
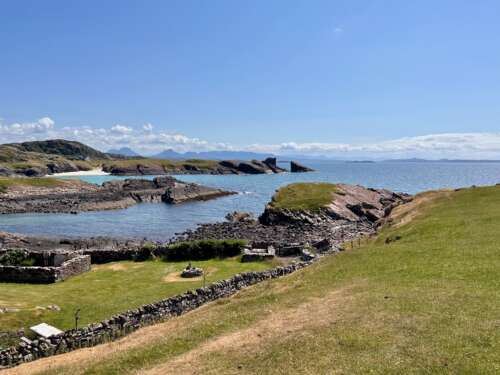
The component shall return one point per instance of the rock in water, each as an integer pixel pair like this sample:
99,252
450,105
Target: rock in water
299,168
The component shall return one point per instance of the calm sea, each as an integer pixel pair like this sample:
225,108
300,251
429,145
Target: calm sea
162,221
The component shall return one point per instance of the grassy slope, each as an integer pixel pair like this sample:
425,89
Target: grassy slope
428,303
304,196
7,182
106,290
18,159
168,164
13,158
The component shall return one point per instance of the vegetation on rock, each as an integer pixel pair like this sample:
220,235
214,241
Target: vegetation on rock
8,182
16,257
304,196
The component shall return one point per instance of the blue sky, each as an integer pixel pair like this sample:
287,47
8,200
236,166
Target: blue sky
364,77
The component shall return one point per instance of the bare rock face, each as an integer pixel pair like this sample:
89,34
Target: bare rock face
299,168
351,203
251,167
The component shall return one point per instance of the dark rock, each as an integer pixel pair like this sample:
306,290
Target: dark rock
238,216
299,168
190,272
115,194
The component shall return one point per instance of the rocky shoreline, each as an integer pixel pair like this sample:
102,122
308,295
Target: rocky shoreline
353,212
225,167
78,196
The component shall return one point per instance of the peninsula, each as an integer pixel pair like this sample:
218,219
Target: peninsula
41,158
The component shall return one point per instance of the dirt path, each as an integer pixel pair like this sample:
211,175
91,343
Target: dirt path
279,324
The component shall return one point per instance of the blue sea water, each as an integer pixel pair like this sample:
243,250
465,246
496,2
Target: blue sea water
162,221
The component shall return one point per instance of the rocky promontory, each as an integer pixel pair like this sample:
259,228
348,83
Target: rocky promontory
299,168
308,213
72,196
137,167
351,203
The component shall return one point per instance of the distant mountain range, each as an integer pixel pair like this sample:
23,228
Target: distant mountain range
211,155
125,151
417,160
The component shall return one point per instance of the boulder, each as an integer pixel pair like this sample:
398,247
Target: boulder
191,271
239,216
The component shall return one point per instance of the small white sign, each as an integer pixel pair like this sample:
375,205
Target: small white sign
45,330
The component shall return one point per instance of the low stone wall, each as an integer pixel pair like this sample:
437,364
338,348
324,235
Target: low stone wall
99,256
76,265
129,321
33,275
72,267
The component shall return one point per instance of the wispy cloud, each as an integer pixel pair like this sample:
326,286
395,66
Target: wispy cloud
338,30
145,139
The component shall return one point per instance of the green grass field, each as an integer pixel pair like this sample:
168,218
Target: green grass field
7,182
428,303
106,290
168,164
303,196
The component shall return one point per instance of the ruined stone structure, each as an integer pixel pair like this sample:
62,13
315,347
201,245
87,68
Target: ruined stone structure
48,268
129,321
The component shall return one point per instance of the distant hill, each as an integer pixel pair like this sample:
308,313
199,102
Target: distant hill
417,160
39,158
124,151
72,149
212,155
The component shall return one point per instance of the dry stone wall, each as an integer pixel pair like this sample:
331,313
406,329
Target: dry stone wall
129,321
45,275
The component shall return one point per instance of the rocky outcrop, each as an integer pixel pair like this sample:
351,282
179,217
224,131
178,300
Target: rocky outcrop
80,196
299,168
251,167
349,202
151,167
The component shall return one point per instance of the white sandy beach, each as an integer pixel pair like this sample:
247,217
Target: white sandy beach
92,172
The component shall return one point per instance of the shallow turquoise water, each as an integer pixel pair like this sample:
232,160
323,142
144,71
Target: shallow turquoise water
161,221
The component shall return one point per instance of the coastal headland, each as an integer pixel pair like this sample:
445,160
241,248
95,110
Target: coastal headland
42,158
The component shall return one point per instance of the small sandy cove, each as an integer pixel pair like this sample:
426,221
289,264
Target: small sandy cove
92,172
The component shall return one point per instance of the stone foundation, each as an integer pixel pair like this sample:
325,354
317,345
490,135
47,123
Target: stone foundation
129,321
59,267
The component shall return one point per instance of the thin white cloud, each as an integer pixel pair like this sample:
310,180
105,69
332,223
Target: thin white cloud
146,140
121,129
338,30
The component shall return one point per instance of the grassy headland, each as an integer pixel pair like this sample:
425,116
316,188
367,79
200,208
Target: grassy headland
426,303
158,164
8,182
303,196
